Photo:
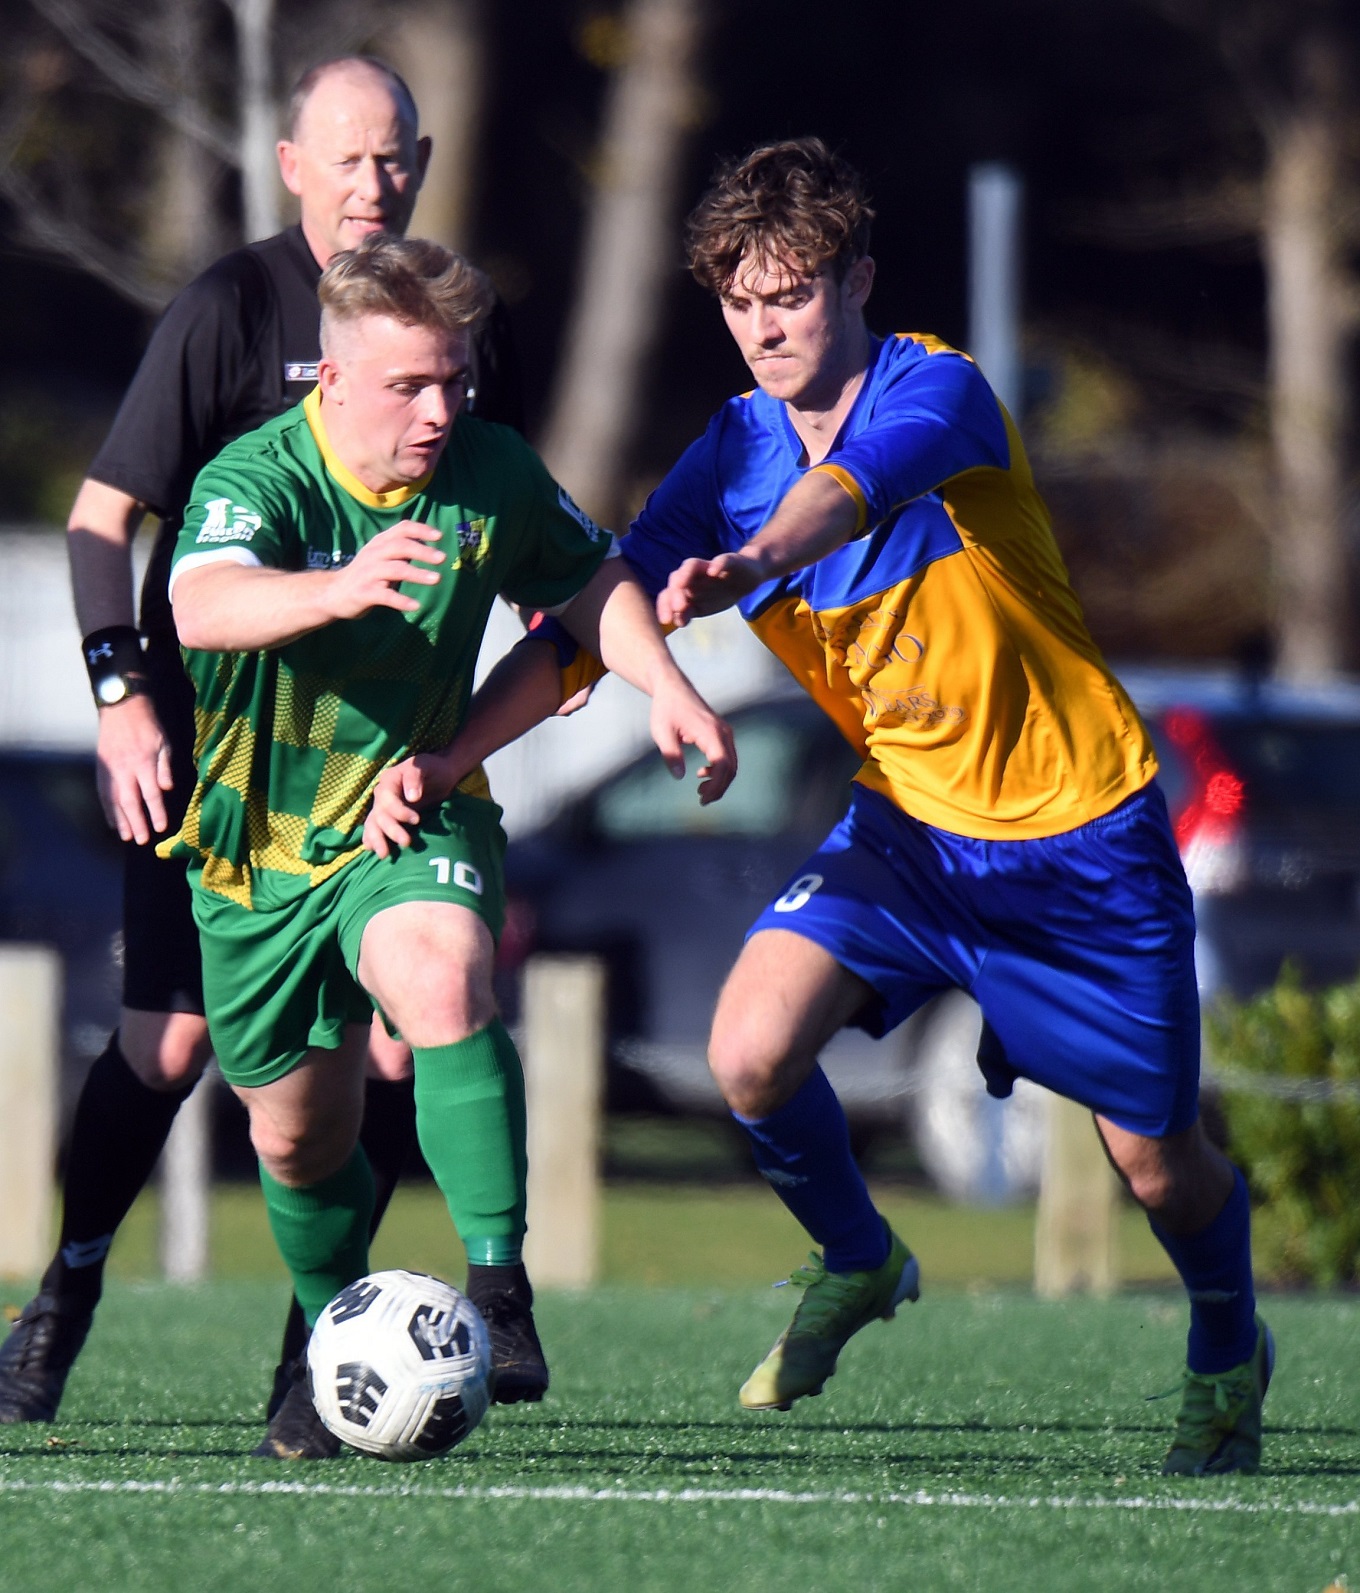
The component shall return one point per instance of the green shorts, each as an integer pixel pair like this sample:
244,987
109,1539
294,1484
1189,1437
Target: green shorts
281,977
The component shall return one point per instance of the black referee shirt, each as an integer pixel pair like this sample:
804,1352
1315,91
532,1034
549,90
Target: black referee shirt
238,346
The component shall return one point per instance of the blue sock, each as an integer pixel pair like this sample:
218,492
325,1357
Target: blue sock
803,1151
1215,1266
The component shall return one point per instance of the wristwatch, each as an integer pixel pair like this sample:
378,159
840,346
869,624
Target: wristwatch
113,688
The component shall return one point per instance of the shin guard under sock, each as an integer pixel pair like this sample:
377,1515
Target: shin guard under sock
802,1150
1215,1266
471,1124
321,1230
389,1132
117,1136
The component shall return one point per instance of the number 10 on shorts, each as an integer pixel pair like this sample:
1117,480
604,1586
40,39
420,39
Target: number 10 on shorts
460,874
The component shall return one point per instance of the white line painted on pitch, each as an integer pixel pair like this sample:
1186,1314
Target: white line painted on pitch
920,1499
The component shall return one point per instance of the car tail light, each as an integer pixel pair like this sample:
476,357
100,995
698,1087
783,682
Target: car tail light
1209,822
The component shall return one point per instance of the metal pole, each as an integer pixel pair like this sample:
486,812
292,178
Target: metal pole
995,204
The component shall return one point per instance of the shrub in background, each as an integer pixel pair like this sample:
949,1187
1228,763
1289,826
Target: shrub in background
1288,1065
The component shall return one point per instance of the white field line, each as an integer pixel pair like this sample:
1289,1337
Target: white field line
921,1499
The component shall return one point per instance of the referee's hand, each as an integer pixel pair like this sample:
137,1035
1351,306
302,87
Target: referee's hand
132,771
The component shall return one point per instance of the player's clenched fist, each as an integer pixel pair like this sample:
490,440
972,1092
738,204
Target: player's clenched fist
404,553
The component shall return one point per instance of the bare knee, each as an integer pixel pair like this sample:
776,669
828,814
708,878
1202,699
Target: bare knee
167,1051
296,1154
749,1075
1181,1181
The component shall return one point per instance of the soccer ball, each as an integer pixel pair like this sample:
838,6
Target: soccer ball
399,1366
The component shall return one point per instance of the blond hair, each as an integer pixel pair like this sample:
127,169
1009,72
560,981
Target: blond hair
410,280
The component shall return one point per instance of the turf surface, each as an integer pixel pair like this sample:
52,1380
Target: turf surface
981,1441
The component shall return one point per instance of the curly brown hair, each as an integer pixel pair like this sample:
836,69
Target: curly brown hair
795,203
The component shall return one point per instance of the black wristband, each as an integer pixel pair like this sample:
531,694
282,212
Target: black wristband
114,662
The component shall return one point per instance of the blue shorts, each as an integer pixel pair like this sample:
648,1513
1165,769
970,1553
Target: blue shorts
1079,947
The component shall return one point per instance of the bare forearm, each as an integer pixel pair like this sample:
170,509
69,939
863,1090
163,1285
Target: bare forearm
615,619
814,518
232,608
521,691
99,537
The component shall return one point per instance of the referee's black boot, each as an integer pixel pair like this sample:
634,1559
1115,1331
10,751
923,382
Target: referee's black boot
295,1431
505,1298
38,1354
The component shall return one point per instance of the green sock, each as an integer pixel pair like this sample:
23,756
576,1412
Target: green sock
322,1230
470,1122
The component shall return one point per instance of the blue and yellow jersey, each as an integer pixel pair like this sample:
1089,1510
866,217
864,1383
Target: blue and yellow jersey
945,640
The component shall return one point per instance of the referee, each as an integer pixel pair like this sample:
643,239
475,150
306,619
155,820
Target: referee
238,346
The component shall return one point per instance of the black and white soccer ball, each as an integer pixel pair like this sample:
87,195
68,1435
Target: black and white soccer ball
399,1366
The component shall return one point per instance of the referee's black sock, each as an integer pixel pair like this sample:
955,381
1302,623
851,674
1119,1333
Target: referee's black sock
388,1134
119,1131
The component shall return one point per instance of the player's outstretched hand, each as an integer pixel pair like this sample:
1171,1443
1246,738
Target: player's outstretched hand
401,793
707,586
680,718
371,579
132,771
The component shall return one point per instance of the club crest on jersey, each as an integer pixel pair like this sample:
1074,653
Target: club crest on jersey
594,532
471,536
299,370
225,521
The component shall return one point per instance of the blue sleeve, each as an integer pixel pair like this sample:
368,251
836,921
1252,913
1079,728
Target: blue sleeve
935,420
682,519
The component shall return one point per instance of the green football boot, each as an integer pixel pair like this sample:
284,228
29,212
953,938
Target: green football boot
1219,1425
834,1306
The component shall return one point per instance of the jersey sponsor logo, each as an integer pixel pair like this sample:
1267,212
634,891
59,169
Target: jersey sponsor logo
299,370
594,532
914,707
320,559
472,544
225,521
799,894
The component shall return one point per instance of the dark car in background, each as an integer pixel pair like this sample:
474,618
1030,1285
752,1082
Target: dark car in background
1263,786
61,883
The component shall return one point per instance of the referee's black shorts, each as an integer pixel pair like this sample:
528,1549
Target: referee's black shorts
162,971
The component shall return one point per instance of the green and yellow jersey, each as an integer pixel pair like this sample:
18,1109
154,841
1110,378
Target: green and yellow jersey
290,741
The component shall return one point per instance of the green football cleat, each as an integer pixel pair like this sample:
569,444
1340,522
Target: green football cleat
834,1306
1219,1425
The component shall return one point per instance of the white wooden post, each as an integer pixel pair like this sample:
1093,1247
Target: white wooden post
564,1075
30,1007
1075,1235
186,1187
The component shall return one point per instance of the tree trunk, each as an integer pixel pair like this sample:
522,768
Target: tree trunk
439,47
1308,324
258,118
630,241
180,231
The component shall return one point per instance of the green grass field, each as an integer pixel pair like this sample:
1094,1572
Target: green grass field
984,1440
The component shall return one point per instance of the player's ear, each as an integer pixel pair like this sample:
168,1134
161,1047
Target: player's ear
423,148
288,165
859,282
331,380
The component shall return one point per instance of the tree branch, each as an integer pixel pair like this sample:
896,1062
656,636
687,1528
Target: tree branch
133,80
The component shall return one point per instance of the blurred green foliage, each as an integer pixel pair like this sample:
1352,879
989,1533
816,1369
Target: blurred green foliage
45,448
1301,1155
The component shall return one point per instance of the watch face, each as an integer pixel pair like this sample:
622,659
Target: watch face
112,689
